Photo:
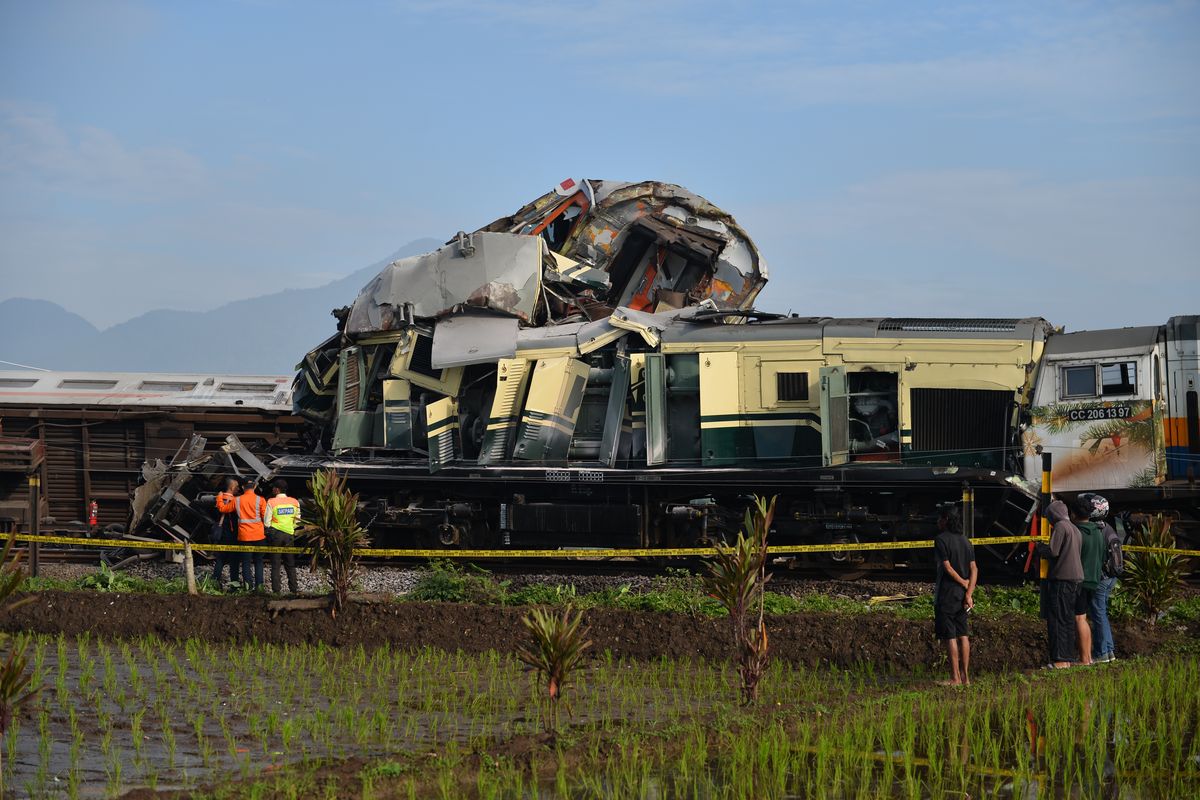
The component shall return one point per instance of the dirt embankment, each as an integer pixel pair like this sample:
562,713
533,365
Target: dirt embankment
880,638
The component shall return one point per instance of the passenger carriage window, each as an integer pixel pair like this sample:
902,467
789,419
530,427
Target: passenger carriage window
1119,378
1079,381
791,386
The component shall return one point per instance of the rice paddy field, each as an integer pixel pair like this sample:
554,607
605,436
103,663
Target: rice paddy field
144,716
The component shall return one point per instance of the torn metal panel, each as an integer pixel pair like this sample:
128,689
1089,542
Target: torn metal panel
626,230
594,335
650,326
551,410
412,360
568,270
656,409
550,341
473,339
499,271
616,415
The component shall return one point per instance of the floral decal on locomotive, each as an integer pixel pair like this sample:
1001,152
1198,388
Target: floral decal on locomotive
1098,444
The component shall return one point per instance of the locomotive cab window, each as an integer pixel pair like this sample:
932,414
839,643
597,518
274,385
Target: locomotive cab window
1079,381
1119,379
874,413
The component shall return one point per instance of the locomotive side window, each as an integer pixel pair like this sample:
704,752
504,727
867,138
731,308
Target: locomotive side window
1079,381
1119,378
791,386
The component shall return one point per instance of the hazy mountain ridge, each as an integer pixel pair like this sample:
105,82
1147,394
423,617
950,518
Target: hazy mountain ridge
264,335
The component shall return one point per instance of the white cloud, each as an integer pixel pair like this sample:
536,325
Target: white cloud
111,230
35,148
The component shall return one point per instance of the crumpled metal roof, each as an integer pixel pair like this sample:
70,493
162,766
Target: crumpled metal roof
611,213
483,270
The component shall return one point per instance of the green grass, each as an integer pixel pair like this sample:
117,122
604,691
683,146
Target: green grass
681,592
105,580
678,591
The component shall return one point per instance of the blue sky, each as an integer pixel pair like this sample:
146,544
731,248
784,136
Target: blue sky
889,158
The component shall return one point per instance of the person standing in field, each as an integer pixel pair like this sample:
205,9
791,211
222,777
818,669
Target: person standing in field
1066,572
1111,567
281,532
225,532
253,514
1091,556
953,590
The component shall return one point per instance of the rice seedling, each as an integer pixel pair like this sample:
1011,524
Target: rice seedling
851,732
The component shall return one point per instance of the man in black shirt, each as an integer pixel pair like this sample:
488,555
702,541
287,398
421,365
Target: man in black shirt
952,593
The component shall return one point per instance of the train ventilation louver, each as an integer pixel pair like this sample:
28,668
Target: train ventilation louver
351,382
397,414
512,379
920,325
445,446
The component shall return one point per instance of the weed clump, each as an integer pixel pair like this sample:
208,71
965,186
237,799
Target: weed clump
17,686
446,582
334,533
736,579
556,649
1153,580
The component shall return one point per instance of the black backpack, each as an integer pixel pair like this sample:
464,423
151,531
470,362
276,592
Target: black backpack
1114,557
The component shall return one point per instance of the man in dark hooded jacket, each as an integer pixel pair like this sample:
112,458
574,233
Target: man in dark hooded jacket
1066,572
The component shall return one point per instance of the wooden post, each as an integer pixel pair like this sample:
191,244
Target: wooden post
968,510
189,568
35,520
1044,500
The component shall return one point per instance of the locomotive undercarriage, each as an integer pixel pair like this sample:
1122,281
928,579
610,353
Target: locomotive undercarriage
537,508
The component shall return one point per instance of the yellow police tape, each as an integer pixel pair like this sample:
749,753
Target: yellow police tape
614,552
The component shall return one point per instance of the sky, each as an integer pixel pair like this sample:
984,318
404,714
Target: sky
889,159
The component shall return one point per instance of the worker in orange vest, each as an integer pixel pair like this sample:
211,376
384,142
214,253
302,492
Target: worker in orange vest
253,514
224,531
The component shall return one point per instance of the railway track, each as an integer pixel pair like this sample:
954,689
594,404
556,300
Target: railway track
63,555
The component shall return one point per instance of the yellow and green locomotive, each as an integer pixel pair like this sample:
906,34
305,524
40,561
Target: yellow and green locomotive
526,386
590,371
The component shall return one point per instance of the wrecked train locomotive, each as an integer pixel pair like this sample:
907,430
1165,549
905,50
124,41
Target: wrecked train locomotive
590,371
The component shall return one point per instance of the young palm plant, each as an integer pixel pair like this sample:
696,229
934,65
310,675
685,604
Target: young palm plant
332,531
1152,580
15,681
737,578
558,641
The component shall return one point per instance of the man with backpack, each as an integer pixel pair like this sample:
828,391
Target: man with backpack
1113,566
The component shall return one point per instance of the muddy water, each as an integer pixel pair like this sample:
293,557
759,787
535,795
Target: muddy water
115,715
166,715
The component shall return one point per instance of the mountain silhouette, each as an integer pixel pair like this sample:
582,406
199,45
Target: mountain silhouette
264,335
